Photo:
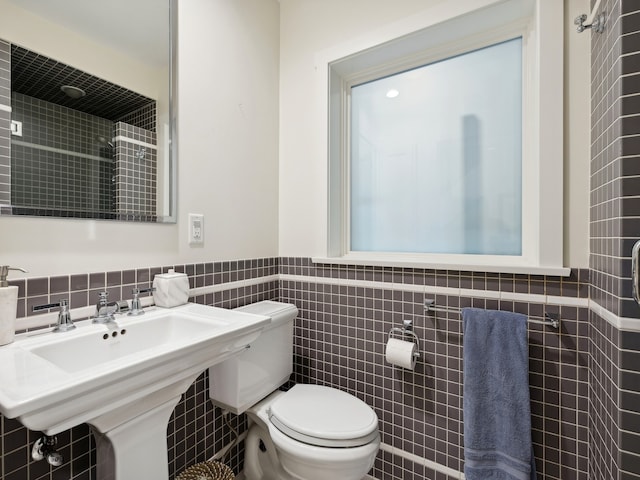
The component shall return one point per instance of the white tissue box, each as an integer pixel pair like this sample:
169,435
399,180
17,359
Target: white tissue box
171,289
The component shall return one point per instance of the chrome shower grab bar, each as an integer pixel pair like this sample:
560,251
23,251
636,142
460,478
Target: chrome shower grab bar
635,271
550,320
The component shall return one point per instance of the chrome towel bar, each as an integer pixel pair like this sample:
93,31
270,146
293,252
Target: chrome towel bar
430,306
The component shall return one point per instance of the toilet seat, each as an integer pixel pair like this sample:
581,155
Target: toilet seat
324,417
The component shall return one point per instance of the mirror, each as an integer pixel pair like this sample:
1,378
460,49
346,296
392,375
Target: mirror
86,114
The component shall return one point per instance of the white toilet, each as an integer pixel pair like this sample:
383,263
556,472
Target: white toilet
310,432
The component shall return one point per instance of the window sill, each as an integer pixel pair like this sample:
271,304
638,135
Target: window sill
415,262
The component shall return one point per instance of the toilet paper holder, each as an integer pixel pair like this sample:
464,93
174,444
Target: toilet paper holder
407,330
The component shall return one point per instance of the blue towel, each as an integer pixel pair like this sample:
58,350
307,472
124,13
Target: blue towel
496,403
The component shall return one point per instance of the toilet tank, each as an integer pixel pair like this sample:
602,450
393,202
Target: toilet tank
241,381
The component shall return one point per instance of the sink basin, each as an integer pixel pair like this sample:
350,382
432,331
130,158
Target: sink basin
125,342
124,378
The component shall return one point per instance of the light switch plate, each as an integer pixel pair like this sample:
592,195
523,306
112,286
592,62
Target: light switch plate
196,229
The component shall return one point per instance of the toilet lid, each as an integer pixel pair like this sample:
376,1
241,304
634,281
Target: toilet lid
324,416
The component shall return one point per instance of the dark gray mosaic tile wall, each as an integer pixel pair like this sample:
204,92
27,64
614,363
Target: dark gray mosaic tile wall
5,121
71,180
136,172
67,164
58,163
341,333
605,148
603,399
144,117
49,125
5,73
615,124
196,429
628,383
629,25
615,153
614,401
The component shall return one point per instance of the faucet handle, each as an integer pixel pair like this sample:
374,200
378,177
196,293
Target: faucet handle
143,290
64,317
46,306
102,297
136,307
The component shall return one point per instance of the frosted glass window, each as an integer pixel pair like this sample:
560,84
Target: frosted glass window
436,157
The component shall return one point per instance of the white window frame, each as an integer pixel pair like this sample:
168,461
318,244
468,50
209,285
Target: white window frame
484,22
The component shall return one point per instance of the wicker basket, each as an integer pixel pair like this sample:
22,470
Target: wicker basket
207,471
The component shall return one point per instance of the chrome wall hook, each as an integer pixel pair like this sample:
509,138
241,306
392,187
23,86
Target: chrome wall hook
595,21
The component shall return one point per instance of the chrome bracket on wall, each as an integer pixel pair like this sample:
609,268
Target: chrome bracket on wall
597,25
594,21
45,448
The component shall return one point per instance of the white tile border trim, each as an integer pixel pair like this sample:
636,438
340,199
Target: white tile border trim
435,290
422,461
5,108
567,301
221,287
621,323
122,138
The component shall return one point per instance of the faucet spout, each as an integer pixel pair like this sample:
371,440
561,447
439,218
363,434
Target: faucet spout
105,310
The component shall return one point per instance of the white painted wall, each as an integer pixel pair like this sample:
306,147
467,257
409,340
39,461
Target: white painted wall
307,30
228,126
577,136
228,140
228,155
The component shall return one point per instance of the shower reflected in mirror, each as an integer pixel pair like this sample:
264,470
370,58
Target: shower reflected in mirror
79,143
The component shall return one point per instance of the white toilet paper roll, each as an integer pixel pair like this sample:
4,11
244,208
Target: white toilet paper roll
401,353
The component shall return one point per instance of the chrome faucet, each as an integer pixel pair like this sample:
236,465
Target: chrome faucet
136,306
105,310
64,318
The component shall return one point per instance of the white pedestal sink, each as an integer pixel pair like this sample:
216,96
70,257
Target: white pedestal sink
123,379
